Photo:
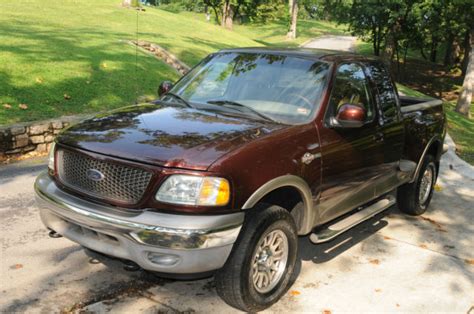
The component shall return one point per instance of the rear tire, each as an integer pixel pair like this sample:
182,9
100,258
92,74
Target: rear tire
260,267
414,198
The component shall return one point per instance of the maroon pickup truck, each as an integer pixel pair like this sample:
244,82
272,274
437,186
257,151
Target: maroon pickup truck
249,150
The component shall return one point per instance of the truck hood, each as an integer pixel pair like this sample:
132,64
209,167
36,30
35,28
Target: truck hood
164,135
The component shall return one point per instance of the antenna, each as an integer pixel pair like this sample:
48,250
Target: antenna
136,61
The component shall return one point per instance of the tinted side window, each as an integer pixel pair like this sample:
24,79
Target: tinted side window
351,87
386,92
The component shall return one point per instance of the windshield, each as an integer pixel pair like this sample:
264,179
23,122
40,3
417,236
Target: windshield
284,88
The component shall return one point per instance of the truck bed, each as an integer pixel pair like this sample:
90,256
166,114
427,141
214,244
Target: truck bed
424,121
409,104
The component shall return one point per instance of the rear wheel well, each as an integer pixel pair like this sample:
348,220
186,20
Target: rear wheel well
435,151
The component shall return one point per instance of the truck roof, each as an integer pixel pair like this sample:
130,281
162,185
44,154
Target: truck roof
321,54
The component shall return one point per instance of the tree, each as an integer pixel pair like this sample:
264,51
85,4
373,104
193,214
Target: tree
465,98
227,14
293,8
216,6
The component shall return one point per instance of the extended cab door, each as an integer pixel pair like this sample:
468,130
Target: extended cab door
351,157
390,125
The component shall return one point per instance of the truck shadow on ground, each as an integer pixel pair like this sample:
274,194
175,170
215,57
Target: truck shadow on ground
324,252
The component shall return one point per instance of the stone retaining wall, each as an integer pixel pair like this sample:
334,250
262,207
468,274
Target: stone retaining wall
163,55
37,136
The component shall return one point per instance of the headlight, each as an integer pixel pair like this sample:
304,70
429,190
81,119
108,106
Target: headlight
51,157
193,190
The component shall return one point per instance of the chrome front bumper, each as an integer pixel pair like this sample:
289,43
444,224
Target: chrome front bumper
179,244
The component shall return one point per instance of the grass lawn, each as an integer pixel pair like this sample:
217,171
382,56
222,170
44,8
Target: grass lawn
62,57
461,130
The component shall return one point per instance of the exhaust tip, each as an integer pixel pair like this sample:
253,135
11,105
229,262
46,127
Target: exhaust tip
53,234
130,266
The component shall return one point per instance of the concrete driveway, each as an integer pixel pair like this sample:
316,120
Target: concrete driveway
392,262
332,42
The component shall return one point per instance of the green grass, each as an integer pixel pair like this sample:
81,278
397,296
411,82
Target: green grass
460,127
410,92
77,48
461,130
366,48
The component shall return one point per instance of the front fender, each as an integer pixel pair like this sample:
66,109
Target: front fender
304,216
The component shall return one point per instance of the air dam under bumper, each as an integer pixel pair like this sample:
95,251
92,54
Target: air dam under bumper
176,244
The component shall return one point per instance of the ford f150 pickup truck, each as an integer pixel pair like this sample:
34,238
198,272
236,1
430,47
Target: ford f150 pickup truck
249,150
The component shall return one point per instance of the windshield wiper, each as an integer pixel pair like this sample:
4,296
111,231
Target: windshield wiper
181,99
237,104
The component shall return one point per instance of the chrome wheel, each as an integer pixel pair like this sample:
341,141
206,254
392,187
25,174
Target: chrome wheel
426,184
269,261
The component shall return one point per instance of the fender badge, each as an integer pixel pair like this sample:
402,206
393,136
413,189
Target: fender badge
308,157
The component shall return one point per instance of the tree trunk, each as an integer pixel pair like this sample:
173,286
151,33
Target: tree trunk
467,48
390,46
422,51
465,98
227,15
448,56
434,51
374,39
216,13
293,19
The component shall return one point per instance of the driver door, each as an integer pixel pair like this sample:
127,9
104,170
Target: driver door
351,157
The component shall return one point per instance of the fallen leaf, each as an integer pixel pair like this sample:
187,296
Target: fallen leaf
326,312
438,188
104,65
39,80
16,266
423,246
23,106
67,97
435,223
7,106
387,238
398,305
378,290
374,261
469,261
294,292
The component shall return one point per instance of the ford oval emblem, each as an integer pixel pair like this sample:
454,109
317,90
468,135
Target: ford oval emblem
95,175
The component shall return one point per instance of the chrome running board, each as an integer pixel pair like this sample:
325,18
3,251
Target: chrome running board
347,223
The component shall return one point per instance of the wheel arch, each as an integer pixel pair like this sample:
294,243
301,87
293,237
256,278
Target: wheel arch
433,147
304,215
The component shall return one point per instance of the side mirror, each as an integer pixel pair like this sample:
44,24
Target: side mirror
164,87
350,116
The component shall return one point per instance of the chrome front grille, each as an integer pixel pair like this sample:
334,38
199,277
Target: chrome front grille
101,179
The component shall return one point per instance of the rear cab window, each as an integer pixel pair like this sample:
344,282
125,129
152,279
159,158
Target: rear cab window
386,93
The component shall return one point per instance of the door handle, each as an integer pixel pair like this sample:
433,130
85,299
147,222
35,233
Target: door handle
378,137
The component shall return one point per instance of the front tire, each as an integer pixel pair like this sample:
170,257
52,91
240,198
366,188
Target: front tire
414,198
260,267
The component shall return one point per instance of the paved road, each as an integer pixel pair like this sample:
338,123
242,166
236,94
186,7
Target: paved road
392,262
333,42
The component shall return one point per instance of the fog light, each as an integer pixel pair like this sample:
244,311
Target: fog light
163,259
